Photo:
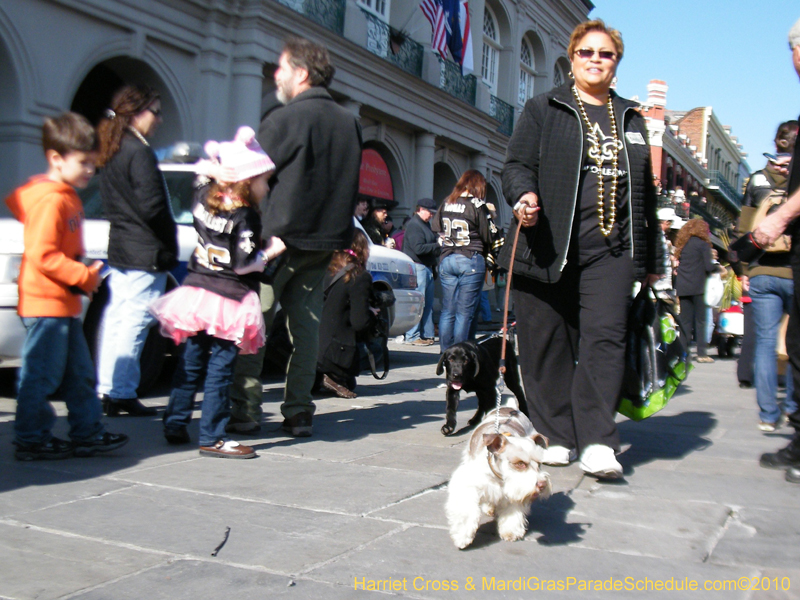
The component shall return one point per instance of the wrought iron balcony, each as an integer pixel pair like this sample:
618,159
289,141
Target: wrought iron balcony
503,112
454,83
328,13
393,45
718,183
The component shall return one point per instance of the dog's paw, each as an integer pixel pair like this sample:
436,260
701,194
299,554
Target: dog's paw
448,428
462,539
512,536
487,509
544,486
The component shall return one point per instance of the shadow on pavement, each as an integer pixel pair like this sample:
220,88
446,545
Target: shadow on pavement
664,438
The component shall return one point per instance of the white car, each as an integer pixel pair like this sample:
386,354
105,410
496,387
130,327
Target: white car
388,267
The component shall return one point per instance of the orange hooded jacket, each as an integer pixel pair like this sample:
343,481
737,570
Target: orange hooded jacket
52,214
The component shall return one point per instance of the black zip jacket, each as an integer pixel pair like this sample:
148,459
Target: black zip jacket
419,242
544,156
143,234
316,147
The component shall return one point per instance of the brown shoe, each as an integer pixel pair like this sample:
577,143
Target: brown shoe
422,342
704,359
339,390
228,449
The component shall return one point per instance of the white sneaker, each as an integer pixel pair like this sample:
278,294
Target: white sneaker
559,456
599,460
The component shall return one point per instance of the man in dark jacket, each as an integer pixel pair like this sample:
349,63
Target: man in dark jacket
421,245
375,220
316,147
767,232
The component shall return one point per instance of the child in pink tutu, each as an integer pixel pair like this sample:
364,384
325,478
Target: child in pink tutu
217,311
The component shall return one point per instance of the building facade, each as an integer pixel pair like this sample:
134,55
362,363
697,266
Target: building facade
213,61
695,156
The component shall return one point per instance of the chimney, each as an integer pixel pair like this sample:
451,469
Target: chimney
657,93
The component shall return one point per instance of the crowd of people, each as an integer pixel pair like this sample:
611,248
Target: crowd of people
580,253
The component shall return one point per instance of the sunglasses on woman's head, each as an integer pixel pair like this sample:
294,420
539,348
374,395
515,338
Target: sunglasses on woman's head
155,111
587,53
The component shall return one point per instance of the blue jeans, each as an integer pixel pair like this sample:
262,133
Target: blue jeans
425,326
462,280
55,357
772,297
126,322
216,358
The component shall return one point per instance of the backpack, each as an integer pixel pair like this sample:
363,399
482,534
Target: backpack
752,216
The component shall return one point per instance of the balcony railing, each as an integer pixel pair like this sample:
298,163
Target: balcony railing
716,180
394,46
503,112
454,83
328,13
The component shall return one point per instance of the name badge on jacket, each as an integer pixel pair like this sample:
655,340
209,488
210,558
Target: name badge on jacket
634,137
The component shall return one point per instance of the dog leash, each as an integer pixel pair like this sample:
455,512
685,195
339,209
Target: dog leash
504,330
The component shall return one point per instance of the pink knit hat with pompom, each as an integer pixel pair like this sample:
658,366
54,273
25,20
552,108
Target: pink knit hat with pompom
236,160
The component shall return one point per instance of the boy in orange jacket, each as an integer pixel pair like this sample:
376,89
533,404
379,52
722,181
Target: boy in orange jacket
55,355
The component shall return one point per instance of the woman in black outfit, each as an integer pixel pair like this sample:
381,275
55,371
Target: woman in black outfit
578,175
695,263
345,314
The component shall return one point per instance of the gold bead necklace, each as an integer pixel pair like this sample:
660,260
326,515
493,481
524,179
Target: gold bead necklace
598,158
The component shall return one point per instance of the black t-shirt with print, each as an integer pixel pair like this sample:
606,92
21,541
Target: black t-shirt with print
588,242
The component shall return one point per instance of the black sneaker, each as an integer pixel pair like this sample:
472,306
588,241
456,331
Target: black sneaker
53,449
299,425
102,443
177,436
783,458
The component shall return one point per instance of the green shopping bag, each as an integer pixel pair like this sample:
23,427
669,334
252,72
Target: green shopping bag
656,360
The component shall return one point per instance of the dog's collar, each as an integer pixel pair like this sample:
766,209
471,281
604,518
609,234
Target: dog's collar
489,456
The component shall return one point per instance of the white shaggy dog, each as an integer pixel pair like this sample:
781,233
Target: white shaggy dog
499,475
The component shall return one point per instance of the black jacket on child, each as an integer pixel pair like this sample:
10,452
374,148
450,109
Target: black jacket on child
142,234
345,314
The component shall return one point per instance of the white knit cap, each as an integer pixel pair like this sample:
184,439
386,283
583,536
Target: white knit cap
236,160
794,35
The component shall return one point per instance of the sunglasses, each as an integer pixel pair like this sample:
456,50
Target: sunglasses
587,53
156,112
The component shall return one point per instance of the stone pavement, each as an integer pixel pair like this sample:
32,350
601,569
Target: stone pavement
361,502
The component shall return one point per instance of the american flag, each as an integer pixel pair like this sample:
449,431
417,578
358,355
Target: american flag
434,12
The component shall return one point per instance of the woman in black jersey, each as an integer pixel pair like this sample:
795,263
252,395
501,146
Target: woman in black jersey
465,237
217,311
578,175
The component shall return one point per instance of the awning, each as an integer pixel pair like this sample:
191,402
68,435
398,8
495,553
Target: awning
374,179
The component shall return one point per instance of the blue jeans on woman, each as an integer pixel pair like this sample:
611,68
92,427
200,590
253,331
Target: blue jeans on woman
772,297
424,328
126,322
216,358
55,357
462,281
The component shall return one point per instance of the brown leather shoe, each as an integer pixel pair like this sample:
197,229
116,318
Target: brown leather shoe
339,390
229,449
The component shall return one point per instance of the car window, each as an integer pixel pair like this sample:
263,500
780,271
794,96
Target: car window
180,185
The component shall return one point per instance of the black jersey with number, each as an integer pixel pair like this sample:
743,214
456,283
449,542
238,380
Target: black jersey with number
226,241
464,225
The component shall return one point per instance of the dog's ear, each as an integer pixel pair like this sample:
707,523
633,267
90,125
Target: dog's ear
540,440
440,364
474,356
495,442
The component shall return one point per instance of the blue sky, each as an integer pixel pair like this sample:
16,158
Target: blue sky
733,56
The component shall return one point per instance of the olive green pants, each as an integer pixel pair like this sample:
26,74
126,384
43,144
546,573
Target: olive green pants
297,286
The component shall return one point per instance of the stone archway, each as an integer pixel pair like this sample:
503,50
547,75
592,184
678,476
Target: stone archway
10,120
93,95
444,180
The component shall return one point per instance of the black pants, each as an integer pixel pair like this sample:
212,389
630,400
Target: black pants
793,339
572,350
747,353
693,315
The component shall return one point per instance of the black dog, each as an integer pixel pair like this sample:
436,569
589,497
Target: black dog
474,367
